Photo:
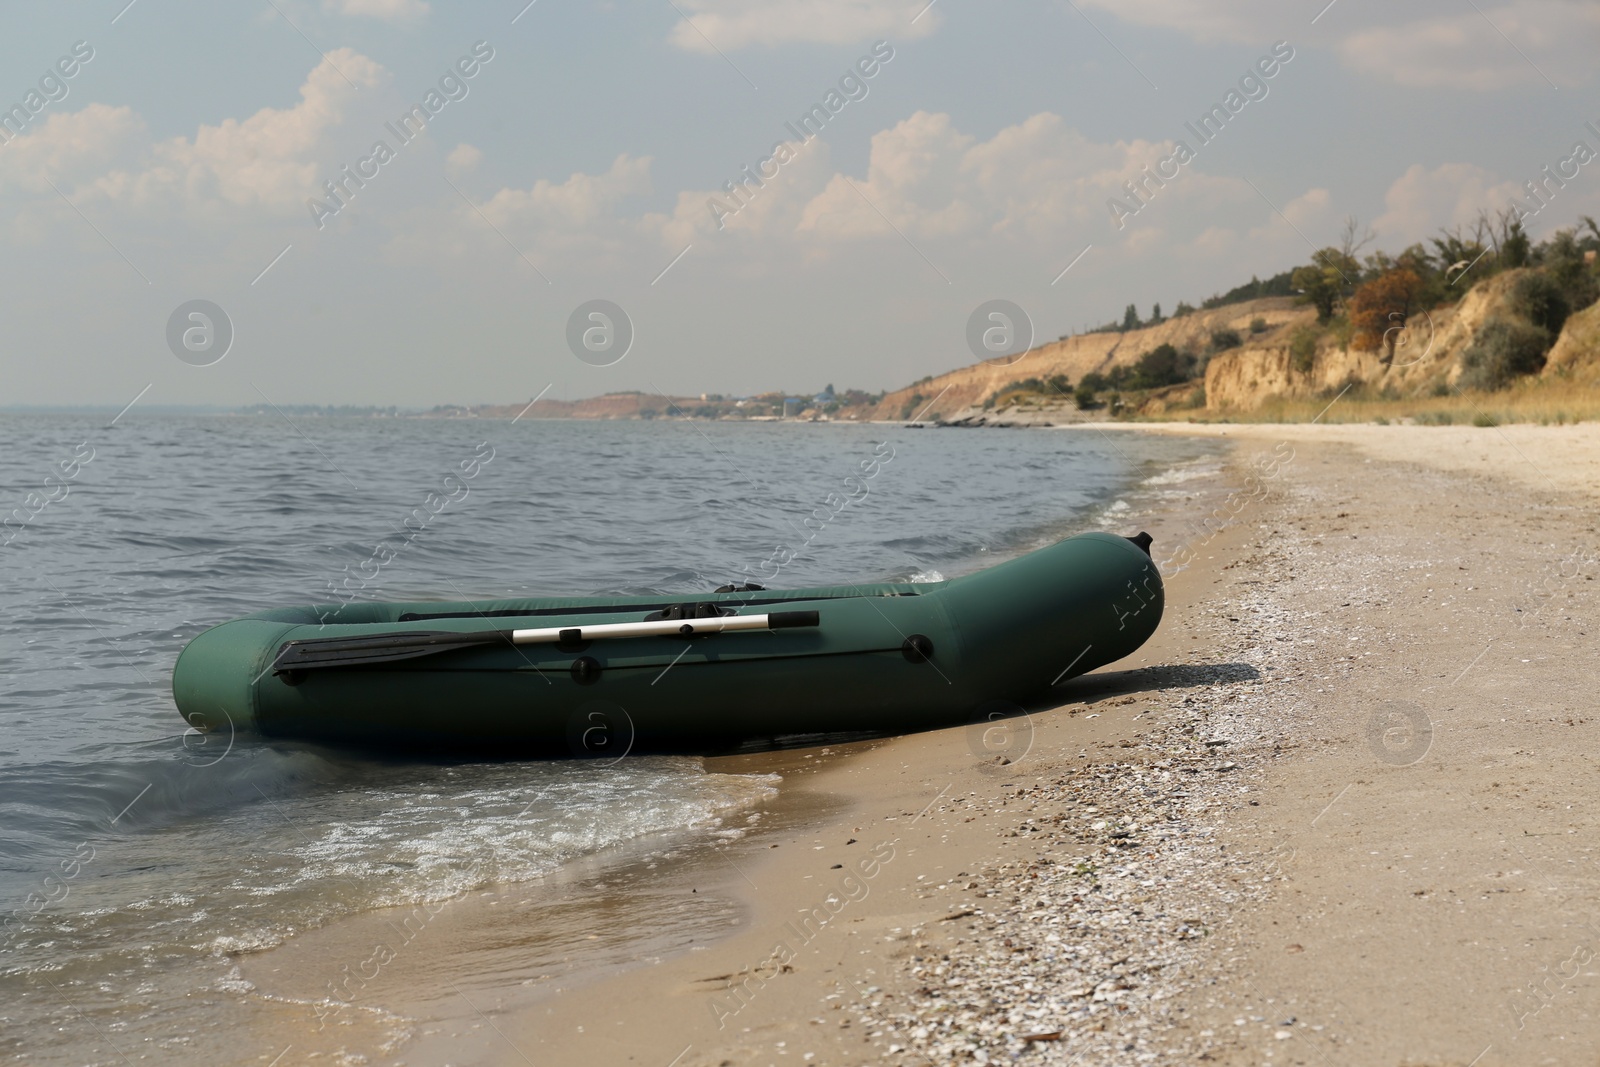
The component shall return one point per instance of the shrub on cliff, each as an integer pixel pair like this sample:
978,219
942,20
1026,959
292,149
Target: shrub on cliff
1222,340
1563,259
1162,365
1052,388
1303,350
1539,298
1515,247
1503,351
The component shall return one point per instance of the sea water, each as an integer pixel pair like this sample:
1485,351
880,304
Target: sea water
141,860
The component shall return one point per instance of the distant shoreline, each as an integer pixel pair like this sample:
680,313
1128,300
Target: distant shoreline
1530,406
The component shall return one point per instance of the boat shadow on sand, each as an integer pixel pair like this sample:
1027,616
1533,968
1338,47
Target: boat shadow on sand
1088,688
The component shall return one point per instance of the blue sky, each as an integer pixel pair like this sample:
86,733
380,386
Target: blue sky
579,162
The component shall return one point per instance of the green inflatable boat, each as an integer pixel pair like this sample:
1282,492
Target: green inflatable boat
598,675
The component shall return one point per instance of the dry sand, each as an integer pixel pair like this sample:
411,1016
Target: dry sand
1337,811
1549,459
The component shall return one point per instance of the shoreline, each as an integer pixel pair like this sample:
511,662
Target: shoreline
750,976
933,801
1546,458
940,797
1182,863
400,1010
1248,919
533,940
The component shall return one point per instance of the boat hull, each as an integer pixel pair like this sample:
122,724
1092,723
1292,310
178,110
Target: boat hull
886,658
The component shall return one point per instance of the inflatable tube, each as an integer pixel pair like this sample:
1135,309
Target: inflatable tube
585,676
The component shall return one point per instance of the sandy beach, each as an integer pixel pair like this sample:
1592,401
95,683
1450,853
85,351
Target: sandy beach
1333,812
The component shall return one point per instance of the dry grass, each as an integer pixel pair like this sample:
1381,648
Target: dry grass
1545,401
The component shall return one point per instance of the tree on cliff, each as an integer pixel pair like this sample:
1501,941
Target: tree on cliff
1325,279
1459,252
1353,238
1130,318
1380,308
1513,247
1321,286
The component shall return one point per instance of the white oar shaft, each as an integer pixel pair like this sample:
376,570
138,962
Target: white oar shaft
550,635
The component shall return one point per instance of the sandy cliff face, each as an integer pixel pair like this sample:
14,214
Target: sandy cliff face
962,392
1428,353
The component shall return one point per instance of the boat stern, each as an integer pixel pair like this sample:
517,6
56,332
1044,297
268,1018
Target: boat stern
214,680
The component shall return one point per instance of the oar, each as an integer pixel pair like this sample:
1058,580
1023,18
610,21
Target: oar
321,652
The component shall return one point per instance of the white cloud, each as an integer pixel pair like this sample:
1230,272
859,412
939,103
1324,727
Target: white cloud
1028,193
773,209
1034,181
387,10
1423,200
580,221
70,146
1037,183
464,157
1309,222
914,180
268,159
730,24
1521,44
583,201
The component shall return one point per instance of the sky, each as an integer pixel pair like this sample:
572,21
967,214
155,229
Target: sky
169,233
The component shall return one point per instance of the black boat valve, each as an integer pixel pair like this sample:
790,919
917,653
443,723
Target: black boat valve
1143,540
586,670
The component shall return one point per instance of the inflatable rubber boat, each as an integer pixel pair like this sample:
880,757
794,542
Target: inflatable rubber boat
586,676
